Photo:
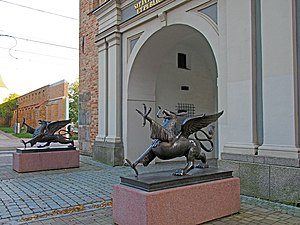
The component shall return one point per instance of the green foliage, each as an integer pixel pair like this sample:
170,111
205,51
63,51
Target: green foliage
11,97
9,105
23,135
73,102
10,130
75,136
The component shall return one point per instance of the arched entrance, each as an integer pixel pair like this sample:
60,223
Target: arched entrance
175,68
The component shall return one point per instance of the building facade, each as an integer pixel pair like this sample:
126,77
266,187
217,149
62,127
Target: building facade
205,56
46,103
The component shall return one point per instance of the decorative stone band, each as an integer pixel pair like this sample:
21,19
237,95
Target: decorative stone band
282,151
241,148
290,162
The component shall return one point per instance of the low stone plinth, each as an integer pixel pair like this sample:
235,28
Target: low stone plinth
183,205
51,158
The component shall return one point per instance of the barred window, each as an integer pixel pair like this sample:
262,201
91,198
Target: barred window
186,107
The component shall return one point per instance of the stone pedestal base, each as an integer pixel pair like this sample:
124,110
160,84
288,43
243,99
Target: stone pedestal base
186,205
27,160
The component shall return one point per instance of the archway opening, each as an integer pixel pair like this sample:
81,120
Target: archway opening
176,69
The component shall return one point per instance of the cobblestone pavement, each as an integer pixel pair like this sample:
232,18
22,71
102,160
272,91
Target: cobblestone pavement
83,196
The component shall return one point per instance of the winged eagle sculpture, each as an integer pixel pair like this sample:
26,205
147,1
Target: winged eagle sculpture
48,132
169,142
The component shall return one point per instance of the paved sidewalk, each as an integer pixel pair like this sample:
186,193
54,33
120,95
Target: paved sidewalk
9,142
83,196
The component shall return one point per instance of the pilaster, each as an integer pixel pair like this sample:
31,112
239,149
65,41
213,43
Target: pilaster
102,86
279,90
108,147
237,78
114,88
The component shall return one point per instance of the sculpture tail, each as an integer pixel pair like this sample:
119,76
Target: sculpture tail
207,139
205,148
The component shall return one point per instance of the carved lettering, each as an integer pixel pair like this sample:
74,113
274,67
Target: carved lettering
144,5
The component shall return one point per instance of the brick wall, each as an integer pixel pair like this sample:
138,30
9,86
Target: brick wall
3,122
88,77
45,103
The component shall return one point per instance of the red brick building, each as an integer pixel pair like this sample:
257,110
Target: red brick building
46,103
88,79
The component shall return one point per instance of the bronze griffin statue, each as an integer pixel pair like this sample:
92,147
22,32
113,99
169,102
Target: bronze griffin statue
170,142
49,132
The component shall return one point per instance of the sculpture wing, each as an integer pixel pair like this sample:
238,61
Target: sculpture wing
194,124
52,127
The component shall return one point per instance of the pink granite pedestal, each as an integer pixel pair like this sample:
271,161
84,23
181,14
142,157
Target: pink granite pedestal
188,205
50,160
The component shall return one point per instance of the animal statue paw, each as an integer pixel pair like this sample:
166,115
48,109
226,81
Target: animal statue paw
127,162
179,172
202,166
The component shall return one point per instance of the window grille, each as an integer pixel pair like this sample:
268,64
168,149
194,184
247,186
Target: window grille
186,107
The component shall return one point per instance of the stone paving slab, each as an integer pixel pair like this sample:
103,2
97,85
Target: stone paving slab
34,195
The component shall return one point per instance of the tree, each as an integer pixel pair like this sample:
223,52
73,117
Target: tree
13,96
73,102
7,108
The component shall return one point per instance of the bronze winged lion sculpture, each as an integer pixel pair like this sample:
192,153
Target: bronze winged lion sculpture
169,142
49,132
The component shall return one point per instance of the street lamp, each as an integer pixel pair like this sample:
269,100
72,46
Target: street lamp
17,126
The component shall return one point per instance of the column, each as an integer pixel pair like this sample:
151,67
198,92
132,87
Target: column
237,78
114,88
108,147
102,90
280,94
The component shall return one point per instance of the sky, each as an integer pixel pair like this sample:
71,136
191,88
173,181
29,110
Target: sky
38,48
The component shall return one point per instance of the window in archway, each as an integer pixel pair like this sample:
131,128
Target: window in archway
185,88
186,107
182,61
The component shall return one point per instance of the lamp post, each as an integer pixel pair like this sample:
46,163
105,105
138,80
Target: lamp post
17,126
